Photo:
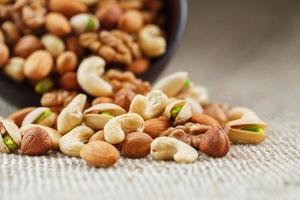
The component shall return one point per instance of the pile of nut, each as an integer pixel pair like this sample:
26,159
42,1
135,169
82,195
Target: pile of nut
123,115
42,42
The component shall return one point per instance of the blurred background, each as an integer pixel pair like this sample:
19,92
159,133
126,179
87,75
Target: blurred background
242,50
246,52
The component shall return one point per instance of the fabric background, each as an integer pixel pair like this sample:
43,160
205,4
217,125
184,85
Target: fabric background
246,53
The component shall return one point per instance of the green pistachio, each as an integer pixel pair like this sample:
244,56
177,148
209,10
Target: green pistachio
9,142
42,116
44,86
107,114
175,111
90,24
187,84
253,128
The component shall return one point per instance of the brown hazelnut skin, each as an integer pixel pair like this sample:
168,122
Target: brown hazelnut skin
215,142
139,66
68,81
66,62
109,16
136,145
35,142
27,45
132,21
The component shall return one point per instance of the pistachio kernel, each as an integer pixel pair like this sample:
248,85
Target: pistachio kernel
186,84
109,114
253,128
42,116
175,111
90,24
9,142
44,86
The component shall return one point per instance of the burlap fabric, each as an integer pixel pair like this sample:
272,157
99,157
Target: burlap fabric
246,54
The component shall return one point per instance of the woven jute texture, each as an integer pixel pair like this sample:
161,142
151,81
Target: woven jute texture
254,65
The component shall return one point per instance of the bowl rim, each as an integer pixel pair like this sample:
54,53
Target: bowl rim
159,64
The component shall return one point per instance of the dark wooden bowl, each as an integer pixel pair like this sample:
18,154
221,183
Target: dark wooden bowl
22,95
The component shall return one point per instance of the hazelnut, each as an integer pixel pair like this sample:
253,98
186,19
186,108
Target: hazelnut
136,145
109,16
4,54
139,66
66,62
58,24
27,45
35,142
215,142
38,65
131,21
72,44
124,97
68,81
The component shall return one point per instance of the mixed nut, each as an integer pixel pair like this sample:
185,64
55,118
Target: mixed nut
167,122
64,47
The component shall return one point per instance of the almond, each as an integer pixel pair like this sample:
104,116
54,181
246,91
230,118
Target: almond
155,126
205,120
18,116
100,154
60,29
124,97
67,7
27,45
38,65
35,142
136,145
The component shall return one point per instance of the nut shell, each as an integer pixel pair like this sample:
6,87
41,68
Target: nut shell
215,142
100,154
136,145
35,142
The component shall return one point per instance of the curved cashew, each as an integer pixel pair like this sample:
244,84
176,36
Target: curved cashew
173,84
53,134
71,116
149,106
167,148
42,115
98,115
89,77
71,143
116,128
151,41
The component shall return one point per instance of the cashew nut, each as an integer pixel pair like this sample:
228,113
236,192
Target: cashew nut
245,126
116,128
71,116
173,84
98,115
167,148
151,41
149,106
72,142
89,77
53,134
